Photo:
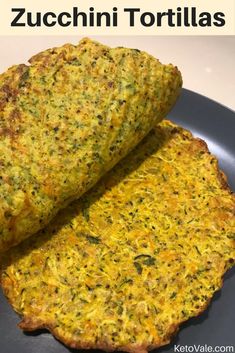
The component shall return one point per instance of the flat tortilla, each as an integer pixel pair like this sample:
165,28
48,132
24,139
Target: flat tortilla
142,252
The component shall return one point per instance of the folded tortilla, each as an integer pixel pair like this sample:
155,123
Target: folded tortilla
66,119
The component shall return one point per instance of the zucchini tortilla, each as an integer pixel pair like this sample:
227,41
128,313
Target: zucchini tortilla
137,255
68,118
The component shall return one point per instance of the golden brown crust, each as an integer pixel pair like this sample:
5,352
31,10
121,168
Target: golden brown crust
29,325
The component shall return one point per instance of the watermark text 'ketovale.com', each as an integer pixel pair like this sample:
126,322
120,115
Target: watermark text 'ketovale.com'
197,348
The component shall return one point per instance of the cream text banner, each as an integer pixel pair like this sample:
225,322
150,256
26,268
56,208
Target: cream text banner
120,17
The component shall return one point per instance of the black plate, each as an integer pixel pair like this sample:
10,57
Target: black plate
216,125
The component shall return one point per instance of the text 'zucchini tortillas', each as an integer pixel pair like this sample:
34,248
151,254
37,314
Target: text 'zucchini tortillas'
140,253
68,118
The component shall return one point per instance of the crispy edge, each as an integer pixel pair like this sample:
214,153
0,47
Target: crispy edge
31,324
28,325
